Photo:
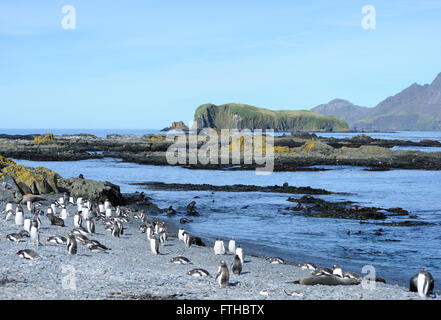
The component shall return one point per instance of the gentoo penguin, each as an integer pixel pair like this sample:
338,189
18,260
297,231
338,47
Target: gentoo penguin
79,201
35,235
422,283
19,217
31,207
198,273
307,266
180,260
79,231
187,239
154,245
8,207
337,271
351,275
57,239
90,225
71,200
101,208
181,234
223,276
236,265
116,231
71,244
321,272
15,237
27,224
239,252
107,204
85,213
184,220
219,247
78,221
275,260
81,238
54,208
232,246
108,212
64,214
9,214
28,254
98,248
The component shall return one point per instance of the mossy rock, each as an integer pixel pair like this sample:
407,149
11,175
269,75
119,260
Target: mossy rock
34,180
316,146
5,162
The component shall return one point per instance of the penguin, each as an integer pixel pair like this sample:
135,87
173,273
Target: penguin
83,239
116,231
28,254
198,273
187,239
236,265
79,201
71,200
351,275
8,207
57,240
85,213
307,266
219,247
422,283
14,237
79,231
321,272
35,235
232,246
181,234
154,245
107,204
65,199
78,221
120,227
101,208
223,276
337,271
275,260
90,225
71,244
98,248
9,214
184,220
64,214
180,260
19,218
27,224
108,212
239,252
54,208
31,207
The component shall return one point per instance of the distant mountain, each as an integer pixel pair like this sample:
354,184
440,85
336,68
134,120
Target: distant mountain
242,116
415,108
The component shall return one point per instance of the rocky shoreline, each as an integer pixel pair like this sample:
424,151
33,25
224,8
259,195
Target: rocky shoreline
296,152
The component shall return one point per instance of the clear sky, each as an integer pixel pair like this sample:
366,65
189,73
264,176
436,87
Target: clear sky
143,64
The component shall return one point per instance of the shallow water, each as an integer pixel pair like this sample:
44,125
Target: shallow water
267,228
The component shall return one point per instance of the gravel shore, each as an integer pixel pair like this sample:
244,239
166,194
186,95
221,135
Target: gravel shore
130,271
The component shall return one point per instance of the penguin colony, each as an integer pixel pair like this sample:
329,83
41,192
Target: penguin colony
87,214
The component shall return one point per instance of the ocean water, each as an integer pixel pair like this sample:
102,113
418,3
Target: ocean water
266,227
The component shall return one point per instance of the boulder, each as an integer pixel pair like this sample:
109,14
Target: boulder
92,190
316,146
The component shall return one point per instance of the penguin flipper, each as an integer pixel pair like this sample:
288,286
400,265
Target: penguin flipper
413,284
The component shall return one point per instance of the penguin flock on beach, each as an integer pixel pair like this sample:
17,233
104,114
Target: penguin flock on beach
86,214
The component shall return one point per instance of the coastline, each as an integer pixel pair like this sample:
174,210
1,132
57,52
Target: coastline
130,271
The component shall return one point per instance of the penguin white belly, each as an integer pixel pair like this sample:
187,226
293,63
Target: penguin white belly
422,285
239,252
19,220
232,246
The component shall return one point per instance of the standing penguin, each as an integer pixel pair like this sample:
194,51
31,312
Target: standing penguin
187,239
219,247
19,217
236,266
154,245
27,224
232,246
71,244
90,225
223,276
239,252
78,220
181,234
116,231
64,214
337,271
35,235
422,283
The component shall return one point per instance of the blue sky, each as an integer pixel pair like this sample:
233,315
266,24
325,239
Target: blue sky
142,64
